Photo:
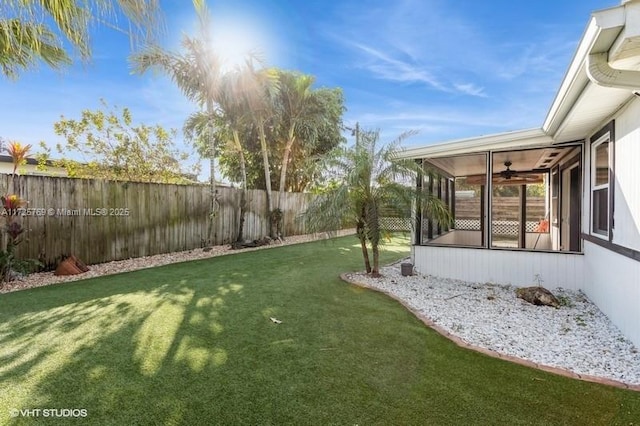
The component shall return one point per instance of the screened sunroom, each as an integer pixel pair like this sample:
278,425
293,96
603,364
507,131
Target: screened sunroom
505,197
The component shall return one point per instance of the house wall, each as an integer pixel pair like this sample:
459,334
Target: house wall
31,169
611,279
518,268
612,282
626,230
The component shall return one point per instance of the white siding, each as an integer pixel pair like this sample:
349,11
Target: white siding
518,268
627,183
613,283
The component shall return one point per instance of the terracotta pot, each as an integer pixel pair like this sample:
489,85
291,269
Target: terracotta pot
79,264
67,267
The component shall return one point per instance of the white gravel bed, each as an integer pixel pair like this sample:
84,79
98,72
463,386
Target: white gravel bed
46,278
576,336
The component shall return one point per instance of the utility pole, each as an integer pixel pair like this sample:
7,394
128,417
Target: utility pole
355,132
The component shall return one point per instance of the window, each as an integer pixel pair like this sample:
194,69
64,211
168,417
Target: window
600,187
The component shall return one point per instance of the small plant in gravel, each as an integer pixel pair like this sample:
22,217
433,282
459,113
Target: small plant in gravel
537,278
565,301
580,321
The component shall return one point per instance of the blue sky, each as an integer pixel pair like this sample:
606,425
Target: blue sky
449,69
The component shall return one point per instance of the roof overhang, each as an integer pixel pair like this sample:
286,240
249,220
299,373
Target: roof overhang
522,139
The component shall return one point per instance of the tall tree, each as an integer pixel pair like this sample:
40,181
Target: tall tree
261,86
37,30
317,133
112,147
230,118
367,180
197,71
311,125
295,107
324,135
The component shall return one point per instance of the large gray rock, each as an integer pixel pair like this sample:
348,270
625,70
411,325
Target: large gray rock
538,296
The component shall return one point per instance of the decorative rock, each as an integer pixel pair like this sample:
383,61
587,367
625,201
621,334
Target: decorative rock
265,241
538,296
577,336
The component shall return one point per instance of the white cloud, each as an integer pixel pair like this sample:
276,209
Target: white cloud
470,89
386,67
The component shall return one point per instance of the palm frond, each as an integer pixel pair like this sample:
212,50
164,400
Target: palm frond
23,45
36,30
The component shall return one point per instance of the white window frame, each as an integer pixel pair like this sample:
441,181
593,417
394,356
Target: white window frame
606,138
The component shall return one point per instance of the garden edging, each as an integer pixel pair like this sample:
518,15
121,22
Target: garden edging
494,354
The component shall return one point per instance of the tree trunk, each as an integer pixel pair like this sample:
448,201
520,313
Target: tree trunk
243,194
212,184
284,168
375,272
267,174
283,171
243,210
212,207
363,244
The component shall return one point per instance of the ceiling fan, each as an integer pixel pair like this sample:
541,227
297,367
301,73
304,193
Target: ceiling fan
513,177
508,173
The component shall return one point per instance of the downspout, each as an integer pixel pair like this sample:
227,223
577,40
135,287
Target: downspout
602,74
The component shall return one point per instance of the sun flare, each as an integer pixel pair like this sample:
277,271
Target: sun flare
236,39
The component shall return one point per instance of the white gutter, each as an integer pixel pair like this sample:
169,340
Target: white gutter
599,70
602,74
600,33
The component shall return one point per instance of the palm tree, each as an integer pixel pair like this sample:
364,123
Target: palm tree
296,97
230,118
197,71
260,88
365,181
36,30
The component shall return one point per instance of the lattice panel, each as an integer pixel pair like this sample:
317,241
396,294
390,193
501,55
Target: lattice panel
395,224
500,227
468,224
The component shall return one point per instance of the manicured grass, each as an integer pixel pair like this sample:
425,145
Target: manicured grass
192,344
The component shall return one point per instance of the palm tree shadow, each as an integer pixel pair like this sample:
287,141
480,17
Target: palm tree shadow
153,342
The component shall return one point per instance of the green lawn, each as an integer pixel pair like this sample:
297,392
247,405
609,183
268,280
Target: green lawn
192,344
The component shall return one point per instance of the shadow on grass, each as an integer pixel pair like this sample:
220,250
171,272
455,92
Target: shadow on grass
193,344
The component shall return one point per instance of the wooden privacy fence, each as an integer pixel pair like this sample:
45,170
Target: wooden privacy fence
503,208
100,221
